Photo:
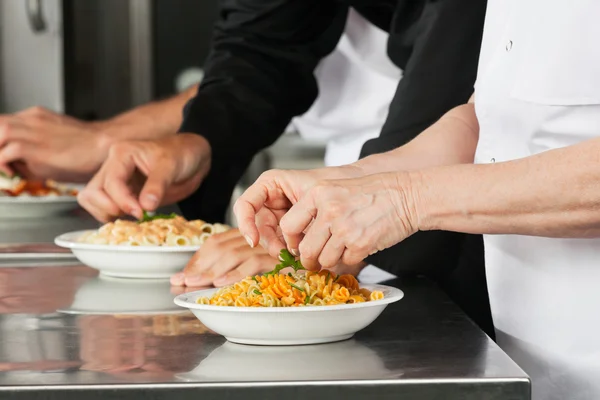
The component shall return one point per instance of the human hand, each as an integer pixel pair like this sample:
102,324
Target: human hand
38,143
224,259
262,205
145,174
345,221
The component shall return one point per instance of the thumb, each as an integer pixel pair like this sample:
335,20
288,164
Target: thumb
153,191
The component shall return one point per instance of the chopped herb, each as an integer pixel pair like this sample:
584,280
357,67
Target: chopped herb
255,280
287,260
147,217
290,275
307,299
296,287
336,278
4,174
328,277
257,292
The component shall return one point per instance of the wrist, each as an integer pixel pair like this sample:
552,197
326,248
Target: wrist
197,145
405,189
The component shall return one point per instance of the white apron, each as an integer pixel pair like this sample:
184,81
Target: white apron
356,85
538,88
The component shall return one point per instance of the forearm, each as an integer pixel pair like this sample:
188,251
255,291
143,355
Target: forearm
154,120
552,194
451,140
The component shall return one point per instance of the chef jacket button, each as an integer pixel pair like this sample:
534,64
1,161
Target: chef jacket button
493,160
509,45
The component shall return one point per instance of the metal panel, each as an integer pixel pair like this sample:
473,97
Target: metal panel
31,54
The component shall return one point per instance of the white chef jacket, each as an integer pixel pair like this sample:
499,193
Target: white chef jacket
356,85
538,88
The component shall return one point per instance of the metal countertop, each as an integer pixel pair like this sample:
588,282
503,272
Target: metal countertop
66,333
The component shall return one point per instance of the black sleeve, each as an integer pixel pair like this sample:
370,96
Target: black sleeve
258,76
437,44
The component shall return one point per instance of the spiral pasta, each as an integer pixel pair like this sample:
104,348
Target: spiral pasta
323,288
170,232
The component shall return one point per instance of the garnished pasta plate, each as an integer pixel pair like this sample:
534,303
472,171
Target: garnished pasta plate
275,326
128,249
27,199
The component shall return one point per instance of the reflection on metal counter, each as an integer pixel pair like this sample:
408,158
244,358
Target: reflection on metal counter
422,347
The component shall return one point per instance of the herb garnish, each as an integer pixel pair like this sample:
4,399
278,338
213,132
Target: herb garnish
287,260
307,299
257,292
296,287
336,278
147,217
328,277
255,280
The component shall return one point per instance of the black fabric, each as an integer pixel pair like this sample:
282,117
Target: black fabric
260,74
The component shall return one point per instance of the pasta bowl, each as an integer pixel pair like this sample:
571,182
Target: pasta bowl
281,326
35,207
154,262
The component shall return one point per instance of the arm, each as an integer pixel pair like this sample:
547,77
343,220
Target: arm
450,141
40,143
258,76
439,69
150,121
552,194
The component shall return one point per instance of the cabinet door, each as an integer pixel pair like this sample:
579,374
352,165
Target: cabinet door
31,54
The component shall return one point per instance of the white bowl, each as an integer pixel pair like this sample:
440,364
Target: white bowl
106,295
345,360
35,207
280,326
128,261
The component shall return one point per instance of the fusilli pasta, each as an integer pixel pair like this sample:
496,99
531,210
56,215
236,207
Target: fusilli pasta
322,288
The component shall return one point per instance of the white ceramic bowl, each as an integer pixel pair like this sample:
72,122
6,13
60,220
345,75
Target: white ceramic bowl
107,295
345,360
128,261
280,326
35,207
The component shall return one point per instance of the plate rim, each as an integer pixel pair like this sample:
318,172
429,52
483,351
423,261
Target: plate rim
182,301
66,240
31,200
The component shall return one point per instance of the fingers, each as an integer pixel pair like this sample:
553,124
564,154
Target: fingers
11,152
332,253
159,180
245,209
271,237
96,202
253,266
117,172
313,243
219,254
296,222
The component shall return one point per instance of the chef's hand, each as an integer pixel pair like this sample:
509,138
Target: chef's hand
145,174
262,205
40,143
224,259
347,220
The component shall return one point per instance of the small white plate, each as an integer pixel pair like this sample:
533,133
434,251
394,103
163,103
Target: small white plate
35,207
128,261
105,295
345,360
281,326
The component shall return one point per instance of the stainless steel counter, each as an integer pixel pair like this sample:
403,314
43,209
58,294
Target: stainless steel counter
66,333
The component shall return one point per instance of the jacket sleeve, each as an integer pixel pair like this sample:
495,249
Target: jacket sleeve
258,76
437,44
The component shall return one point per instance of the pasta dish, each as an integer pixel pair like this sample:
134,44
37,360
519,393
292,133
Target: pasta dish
323,288
18,187
163,231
